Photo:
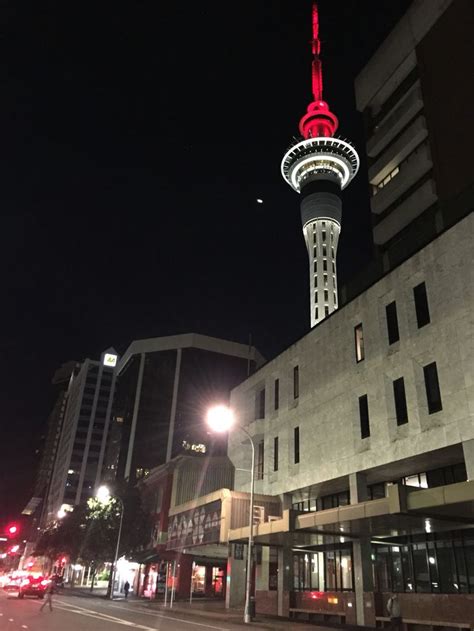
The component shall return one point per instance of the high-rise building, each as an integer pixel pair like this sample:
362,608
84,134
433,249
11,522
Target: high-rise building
50,439
416,96
164,388
82,444
319,166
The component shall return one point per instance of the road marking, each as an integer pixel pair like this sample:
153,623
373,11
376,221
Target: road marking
23,626
101,616
10,619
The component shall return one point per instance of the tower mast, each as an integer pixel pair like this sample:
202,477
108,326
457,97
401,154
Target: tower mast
318,167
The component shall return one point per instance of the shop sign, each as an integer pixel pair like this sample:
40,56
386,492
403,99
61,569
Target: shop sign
195,527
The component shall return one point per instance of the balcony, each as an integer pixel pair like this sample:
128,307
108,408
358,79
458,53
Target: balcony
411,170
395,121
405,213
396,153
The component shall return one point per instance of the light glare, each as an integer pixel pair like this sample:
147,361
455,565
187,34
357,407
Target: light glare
103,494
220,418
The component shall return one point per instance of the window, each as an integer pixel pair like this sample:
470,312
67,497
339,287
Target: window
296,438
421,305
333,267
315,281
316,297
276,394
433,395
275,453
326,311
323,235
315,269
364,416
314,237
325,265
325,280
296,382
359,343
315,252
400,401
325,249
260,404
326,295
260,459
392,322
316,313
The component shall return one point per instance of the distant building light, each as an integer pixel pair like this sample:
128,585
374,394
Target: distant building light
110,360
199,448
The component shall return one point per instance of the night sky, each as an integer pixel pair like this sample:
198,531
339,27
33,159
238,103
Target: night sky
135,138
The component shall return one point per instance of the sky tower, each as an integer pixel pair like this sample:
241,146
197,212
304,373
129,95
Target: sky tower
318,167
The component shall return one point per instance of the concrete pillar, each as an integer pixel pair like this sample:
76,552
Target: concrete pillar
235,590
361,553
285,579
358,488
468,450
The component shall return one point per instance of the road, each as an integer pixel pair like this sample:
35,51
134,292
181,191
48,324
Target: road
73,613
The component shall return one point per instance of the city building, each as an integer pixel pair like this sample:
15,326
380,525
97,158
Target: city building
319,166
364,427
164,387
415,97
80,453
50,442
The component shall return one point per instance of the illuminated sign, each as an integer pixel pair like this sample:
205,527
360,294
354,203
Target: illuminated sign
198,448
110,360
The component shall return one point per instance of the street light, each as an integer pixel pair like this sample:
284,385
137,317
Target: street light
104,496
221,419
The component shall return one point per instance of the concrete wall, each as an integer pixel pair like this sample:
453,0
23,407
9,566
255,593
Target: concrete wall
331,381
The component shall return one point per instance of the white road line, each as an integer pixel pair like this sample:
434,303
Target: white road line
96,614
23,626
10,619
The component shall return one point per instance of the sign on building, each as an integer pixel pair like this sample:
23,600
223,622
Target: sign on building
195,527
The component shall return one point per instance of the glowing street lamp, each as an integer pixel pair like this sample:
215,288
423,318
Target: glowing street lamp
221,418
104,496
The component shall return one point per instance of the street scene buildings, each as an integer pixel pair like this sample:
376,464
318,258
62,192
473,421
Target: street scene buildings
355,465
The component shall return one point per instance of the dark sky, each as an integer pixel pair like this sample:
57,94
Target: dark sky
135,137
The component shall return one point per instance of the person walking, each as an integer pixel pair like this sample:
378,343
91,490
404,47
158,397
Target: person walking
394,611
126,588
48,592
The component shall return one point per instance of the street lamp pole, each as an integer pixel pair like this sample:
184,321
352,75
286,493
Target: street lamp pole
220,418
248,586
114,569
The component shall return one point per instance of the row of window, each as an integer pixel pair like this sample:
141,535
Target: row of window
260,395
325,296
325,279
422,318
433,398
325,263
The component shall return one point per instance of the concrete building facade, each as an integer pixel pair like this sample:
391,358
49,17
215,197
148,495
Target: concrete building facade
374,405
81,450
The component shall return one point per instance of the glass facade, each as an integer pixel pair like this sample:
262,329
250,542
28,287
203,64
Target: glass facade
433,563
326,570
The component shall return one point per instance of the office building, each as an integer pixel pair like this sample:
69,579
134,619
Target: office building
164,387
82,444
364,428
416,95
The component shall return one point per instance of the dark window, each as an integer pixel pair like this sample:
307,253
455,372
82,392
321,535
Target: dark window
275,453
364,416
376,491
326,295
316,313
260,404
359,342
315,280
296,437
323,235
392,322
296,382
325,265
421,305
326,311
260,459
433,394
276,392
315,268
400,401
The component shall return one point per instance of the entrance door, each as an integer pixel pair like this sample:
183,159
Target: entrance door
218,577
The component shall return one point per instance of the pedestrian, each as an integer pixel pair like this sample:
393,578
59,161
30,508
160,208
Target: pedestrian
126,588
393,608
48,592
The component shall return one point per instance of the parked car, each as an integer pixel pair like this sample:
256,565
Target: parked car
27,586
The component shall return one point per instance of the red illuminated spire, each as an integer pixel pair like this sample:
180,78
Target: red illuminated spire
319,120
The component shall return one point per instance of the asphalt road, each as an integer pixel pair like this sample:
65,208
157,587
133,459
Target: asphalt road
72,613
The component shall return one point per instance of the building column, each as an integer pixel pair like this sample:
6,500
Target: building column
235,588
362,559
285,579
468,451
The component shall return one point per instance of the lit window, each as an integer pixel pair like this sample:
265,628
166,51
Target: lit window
359,342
